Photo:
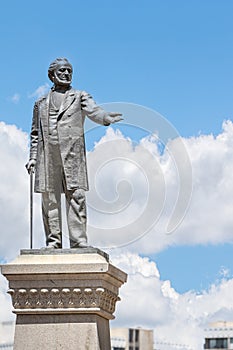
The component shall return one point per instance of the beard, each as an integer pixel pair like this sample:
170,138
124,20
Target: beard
62,81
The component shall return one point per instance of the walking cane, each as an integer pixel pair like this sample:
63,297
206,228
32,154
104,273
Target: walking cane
31,206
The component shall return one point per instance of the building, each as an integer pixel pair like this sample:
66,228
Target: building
131,339
219,335
118,343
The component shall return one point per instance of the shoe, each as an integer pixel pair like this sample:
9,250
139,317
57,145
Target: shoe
83,245
48,247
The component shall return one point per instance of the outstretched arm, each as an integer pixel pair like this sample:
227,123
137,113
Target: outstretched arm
96,113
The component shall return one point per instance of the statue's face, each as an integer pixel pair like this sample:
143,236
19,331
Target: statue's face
63,75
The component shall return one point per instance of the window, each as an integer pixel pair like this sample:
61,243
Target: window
131,332
137,336
216,343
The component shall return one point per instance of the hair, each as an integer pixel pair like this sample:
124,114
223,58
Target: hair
55,64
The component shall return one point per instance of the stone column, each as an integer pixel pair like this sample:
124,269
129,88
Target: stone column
63,298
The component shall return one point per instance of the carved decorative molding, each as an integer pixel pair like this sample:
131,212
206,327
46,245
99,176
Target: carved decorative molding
64,298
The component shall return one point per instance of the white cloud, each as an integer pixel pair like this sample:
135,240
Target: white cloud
5,302
15,98
132,186
14,192
176,318
40,91
125,174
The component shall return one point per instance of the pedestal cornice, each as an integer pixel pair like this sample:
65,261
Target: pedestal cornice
64,281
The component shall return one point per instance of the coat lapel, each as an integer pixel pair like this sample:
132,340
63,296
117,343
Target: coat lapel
68,100
45,114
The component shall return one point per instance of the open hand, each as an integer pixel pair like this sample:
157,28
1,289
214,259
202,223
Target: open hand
113,117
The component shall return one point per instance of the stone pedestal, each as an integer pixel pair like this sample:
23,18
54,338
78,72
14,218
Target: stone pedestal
63,298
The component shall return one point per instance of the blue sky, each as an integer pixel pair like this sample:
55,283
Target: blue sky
172,56
195,267
175,57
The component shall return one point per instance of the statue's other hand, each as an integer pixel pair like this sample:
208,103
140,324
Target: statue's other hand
113,117
30,166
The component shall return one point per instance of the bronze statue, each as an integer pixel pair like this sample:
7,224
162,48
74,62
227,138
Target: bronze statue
57,153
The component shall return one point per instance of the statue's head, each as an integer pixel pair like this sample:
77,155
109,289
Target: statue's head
60,72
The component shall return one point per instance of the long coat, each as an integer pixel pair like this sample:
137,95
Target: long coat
70,128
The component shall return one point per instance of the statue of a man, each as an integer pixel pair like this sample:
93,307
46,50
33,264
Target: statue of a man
57,153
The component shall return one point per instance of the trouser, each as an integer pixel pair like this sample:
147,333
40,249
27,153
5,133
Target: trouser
51,209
